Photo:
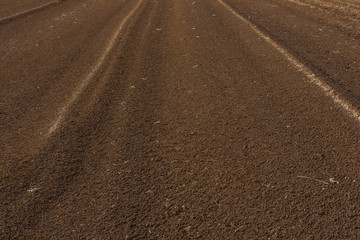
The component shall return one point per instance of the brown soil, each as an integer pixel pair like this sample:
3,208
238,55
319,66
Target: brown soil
12,7
191,127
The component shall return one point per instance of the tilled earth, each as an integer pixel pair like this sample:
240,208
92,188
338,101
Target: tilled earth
179,119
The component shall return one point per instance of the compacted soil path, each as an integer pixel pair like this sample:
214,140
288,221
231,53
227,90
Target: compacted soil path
179,119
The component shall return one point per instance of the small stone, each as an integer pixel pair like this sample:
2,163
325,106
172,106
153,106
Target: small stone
332,180
31,190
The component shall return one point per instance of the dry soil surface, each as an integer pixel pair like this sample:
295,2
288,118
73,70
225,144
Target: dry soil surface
180,119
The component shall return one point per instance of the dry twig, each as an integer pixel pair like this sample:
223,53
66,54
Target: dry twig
313,179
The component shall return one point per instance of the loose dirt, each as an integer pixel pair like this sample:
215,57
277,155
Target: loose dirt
193,127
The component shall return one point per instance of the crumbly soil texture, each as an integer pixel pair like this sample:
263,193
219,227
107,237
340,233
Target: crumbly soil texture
179,119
